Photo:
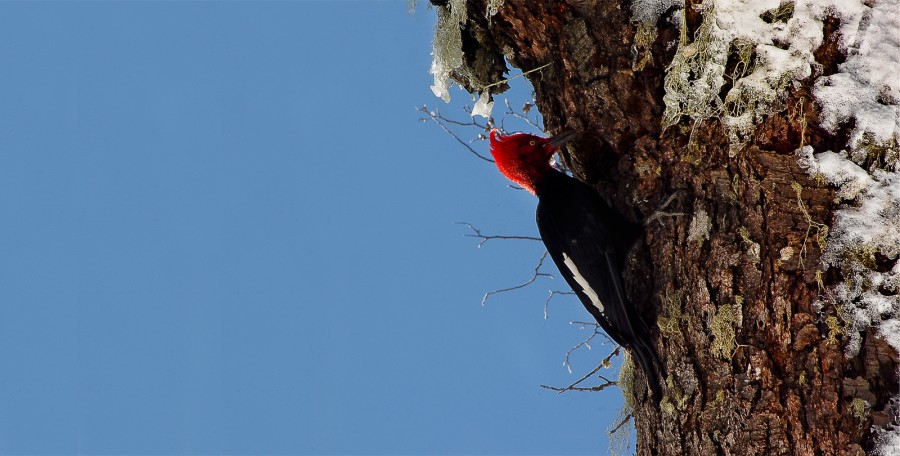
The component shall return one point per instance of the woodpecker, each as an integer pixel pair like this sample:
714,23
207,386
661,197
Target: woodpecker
586,238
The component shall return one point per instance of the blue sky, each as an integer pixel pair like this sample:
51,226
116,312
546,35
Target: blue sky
226,231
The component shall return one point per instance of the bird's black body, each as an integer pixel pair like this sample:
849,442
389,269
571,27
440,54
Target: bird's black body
588,241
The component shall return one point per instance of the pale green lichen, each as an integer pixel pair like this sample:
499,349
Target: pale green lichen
836,328
821,234
478,69
643,40
780,14
765,58
859,408
621,433
722,328
871,154
753,248
448,50
675,400
862,244
626,380
738,102
669,322
696,74
667,407
645,14
700,226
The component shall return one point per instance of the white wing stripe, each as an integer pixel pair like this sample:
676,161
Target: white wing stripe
591,294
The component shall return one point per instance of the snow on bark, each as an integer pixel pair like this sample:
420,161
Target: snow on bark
649,11
889,445
774,43
865,236
866,90
783,38
865,228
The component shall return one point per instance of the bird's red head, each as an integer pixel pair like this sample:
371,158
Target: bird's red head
523,158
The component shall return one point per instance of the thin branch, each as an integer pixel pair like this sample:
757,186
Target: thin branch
458,122
512,112
440,122
547,302
622,423
484,237
517,76
604,364
584,343
537,273
579,388
607,362
472,122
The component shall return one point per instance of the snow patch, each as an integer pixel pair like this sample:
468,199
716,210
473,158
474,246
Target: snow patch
888,443
866,90
771,46
782,44
649,11
849,178
773,43
865,235
865,229
483,106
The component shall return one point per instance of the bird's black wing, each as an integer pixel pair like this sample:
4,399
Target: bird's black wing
588,242
588,257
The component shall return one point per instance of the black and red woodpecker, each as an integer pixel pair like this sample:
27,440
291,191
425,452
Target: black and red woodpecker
586,238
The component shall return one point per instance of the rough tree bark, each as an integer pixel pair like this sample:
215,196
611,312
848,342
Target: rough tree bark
753,366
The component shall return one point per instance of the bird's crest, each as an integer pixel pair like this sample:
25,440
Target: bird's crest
522,157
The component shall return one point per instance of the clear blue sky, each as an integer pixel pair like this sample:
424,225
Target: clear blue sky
225,231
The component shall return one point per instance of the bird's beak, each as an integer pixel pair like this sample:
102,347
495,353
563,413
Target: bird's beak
562,138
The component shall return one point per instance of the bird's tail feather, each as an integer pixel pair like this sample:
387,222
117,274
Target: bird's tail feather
646,358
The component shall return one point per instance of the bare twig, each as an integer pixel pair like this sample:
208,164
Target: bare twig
547,302
512,112
621,423
517,76
584,343
537,273
436,118
579,388
604,364
472,122
484,237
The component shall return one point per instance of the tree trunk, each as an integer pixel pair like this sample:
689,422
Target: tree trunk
756,363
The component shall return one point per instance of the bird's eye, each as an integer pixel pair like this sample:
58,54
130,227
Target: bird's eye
532,142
